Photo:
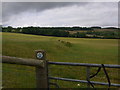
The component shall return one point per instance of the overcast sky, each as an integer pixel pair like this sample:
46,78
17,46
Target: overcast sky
43,14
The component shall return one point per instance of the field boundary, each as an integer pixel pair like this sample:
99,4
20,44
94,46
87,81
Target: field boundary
42,77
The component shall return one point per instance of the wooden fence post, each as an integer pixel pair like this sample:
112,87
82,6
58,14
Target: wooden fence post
41,73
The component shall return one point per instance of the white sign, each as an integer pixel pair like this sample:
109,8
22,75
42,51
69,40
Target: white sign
39,55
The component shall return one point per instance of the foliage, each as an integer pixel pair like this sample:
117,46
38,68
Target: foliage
68,44
64,32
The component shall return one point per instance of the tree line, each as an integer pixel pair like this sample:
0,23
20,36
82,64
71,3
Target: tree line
64,31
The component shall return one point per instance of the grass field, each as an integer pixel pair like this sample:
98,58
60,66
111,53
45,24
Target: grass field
72,32
100,51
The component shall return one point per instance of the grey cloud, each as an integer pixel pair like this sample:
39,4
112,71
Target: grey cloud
11,8
119,14
0,13
60,13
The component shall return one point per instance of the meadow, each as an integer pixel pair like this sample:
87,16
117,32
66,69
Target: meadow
81,50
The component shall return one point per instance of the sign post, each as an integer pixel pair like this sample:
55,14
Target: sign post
41,73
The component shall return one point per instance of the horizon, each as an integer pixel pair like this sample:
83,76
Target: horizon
64,26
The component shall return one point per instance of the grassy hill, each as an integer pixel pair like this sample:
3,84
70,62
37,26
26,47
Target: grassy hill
101,51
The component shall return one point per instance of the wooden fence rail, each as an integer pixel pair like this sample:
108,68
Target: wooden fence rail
21,61
40,63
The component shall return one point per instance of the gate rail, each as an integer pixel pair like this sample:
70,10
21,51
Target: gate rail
87,72
84,64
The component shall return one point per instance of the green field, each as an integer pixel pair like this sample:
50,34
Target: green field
81,50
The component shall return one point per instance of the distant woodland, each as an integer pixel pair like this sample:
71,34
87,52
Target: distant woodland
76,32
